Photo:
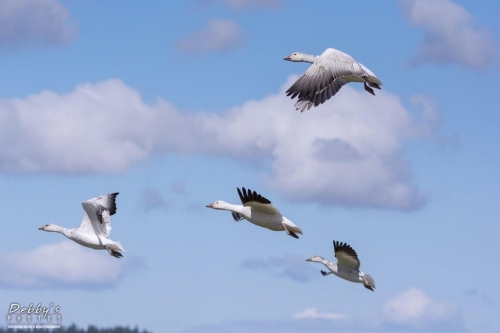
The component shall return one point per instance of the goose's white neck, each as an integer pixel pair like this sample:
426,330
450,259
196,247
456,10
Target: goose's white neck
307,58
332,266
245,211
55,228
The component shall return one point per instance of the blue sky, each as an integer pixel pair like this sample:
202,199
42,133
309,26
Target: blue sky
175,104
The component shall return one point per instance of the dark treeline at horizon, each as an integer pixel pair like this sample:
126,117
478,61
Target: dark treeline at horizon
74,329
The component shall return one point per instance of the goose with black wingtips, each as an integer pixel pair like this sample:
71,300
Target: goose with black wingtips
347,265
328,73
95,227
259,211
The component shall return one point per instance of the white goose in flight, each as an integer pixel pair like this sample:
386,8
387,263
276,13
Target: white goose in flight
95,228
259,211
347,265
327,74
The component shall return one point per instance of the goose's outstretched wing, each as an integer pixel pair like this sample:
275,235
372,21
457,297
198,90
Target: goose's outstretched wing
346,256
97,214
324,78
256,201
309,101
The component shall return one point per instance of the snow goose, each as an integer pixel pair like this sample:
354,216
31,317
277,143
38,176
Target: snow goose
95,228
259,211
347,265
327,74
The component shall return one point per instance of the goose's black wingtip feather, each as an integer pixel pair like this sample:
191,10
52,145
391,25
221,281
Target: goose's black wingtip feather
341,246
241,195
112,203
249,195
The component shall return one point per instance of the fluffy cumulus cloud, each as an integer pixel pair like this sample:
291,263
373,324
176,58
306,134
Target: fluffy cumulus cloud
41,22
91,130
220,35
314,313
290,266
450,34
61,266
346,152
410,311
415,309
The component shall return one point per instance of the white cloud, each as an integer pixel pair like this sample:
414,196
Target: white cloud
28,22
60,266
345,152
410,311
302,148
291,266
450,35
219,35
415,309
243,4
96,128
314,313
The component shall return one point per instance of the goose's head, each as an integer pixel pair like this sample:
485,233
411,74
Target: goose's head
219,204
296,56
48,227
316,259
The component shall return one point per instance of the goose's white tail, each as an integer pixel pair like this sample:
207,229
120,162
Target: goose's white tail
291,226
117,246
368,282
296,229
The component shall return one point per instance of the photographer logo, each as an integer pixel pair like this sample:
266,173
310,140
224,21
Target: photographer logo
34,316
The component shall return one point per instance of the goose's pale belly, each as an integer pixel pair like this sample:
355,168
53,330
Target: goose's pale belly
265,220
348,274
87,240
353,79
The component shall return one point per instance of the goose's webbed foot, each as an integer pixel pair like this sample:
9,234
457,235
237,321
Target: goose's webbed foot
290,232
114,253
370,90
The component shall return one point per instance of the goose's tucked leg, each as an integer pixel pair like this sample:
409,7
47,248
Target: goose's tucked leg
325,273
368,287
237,216
289,232
370,90
116,254
113,253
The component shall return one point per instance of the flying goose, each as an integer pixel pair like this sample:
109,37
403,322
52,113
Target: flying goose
347,265
327,74
259,211
95,228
